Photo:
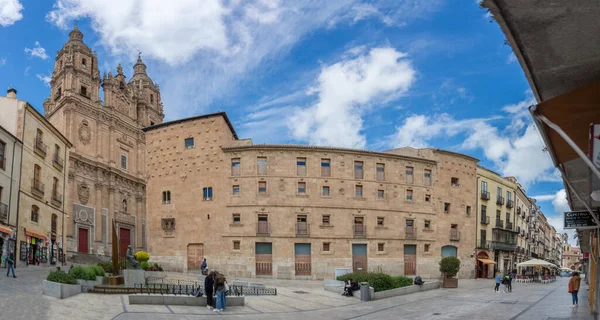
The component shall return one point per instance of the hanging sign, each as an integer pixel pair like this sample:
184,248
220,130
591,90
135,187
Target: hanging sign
579,220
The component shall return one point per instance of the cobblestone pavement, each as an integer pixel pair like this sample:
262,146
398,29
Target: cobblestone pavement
22,298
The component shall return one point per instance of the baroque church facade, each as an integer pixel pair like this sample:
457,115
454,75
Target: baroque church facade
107,176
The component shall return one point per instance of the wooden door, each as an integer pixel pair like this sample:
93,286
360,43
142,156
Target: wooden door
410,259
124,241
302,259
264,259
195,255
83,240
359,257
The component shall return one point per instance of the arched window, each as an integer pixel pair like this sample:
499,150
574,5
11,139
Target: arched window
448,251
125,205
35,212
83,63
151,99
54,223
166,197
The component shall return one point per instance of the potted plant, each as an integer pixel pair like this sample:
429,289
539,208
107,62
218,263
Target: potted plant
61,285
449,266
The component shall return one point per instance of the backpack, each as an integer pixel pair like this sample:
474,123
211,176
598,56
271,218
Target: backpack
418,280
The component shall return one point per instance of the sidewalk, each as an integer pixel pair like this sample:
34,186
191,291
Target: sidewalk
557,304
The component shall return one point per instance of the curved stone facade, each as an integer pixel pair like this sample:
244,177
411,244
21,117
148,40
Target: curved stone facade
297,212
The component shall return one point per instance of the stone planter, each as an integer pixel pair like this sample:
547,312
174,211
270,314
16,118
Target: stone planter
87,283
450,283
155,274
101,280
60,290
134,277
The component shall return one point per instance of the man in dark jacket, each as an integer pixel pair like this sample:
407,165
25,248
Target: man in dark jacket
11,264
209,282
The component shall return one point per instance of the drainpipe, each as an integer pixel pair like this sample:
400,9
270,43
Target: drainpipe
477,223
17,244
65,181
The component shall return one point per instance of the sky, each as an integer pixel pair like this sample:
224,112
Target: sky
375,75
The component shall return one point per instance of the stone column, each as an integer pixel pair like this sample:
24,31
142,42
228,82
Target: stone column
111,211
138,222
111,151
98,220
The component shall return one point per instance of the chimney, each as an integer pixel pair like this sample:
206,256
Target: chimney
11,92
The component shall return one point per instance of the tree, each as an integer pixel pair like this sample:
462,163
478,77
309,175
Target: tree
449,266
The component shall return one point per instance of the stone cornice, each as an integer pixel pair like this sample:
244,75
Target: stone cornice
107,169
349,207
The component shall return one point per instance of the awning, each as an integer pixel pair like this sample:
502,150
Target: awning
36,234
487,261
536,262
5,229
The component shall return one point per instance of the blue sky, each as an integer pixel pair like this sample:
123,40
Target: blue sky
366,74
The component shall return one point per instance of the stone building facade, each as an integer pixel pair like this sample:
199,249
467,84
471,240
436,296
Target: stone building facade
107,178
40,233
300,212
571,257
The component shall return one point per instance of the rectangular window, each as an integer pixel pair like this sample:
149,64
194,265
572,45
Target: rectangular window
168,224
454,182
409,174
326,246
34,213
380,221
237,218
427,177
301,167
236,245
326,219
261,163
468,210
236,190
446,207
426,247
409,195
236,166
189,143
380,194
325,191
325,168
428,198
262,187
508,195
380,247
358,170
427,225
484,186
498,215
2,156
301,187
359,191
124,161
380,172
499,191
207,193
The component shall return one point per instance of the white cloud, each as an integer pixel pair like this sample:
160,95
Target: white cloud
37,51
44,78
10,12
345,91
2,62
516,150
512,58
560,205
389,12
26,72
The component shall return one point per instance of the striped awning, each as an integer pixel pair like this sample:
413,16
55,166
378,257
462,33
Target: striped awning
487,261
5,229
35,234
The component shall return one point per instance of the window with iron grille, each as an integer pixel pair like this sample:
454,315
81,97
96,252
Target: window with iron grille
325,191
380,247
326,246
35,211
235,190
380,221
326,219
262,187
237,218
166,197
168,224
236,245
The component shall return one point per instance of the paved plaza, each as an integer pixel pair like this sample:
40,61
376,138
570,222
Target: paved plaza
22,298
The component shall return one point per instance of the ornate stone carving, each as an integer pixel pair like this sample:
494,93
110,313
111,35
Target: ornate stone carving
85,133
125,141
342,191
183,176
83,214
84,193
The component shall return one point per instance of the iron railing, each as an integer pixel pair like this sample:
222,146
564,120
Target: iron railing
509,225
40,147
57,161
454,235
483,243
485,195
37,187
411,233
3,211
360,230
509,203
499,223
302,229
263,228
56,197
189,287
500,200
485,219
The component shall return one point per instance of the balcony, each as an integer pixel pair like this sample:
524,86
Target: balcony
499,223
360,230
485,195
410,233
58,162
302,229
3,211
40,148
454,235
519,210
509,204
500,200
509,225
263,229
37,188
485,219
503,246
56,198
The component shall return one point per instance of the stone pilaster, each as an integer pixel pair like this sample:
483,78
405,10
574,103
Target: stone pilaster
97,227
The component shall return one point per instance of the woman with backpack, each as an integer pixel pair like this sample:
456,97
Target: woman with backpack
574,284
220,284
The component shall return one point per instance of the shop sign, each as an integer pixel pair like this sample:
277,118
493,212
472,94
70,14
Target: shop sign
579,220
595,144
586,255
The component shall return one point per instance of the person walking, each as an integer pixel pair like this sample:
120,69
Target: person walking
209,282
204,266
506,282
509,278
11,264
574,284
220,292
498,281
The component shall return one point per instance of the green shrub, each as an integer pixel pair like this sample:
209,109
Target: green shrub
142,256
401,281
450,266
145,265
60,276
379,281
77,272
106,265
98,270
90,273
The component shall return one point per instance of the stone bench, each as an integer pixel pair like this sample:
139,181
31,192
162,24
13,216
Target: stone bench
172,300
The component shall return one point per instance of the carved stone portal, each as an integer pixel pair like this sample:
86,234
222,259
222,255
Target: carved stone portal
85,134
84,193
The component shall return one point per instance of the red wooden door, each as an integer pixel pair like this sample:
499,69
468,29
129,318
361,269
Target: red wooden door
83,240
124,240
410,259
195,255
